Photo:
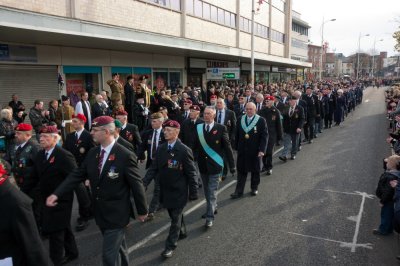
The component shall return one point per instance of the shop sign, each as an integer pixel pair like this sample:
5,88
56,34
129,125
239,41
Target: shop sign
74,85
223,73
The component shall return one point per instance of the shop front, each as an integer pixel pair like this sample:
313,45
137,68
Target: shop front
261,73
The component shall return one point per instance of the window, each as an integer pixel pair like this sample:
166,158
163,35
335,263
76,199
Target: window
189,7
214,14
221,15
233,20
206,11
227,18
173,4
241,23
176,5
198,8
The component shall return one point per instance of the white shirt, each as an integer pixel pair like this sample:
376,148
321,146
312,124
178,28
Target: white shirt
21,145
222,116
49,152
123,126
79,110
211,125
171,145
79,133
106,153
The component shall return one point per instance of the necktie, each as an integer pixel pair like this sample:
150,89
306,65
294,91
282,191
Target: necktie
154,145
208,128
101,157
186,114
169,148
46,155
291,111
219,117
76,136
18,151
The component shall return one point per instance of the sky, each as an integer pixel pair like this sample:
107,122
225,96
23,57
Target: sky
378,18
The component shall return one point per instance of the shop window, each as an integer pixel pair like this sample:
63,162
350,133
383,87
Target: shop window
160,79
174,80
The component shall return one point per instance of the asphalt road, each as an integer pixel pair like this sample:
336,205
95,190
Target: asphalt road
316,210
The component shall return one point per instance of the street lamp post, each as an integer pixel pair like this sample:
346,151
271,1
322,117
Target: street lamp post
358,54
373,56
322,44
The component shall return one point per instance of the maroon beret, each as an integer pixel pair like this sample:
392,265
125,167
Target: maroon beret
188,101
122,112
23,127
48,130
102,121
171,123
81,117
195,107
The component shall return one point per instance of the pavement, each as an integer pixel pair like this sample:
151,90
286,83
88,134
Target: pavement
317,210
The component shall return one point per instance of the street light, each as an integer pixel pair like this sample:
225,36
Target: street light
373,56
322,44
358,54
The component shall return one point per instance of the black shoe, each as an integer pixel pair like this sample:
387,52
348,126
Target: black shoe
269,172
67,259
182,236
398,258
236,195
320,131
305,140
81,225
204,216
209,224
167,253
263,170
150,217
254,192
293,157
379,233
284,159
315,136
223,177
310,141
324,128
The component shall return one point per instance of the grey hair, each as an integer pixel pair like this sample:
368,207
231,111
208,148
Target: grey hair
211,108
6,113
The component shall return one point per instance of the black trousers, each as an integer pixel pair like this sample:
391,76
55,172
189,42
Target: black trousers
84,201
309,128
267,158
60,243
177,227
241,181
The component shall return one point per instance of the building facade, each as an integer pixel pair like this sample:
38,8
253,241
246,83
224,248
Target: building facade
175,42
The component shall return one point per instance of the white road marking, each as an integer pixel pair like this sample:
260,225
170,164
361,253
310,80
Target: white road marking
356,193
353,247
195,207
342,244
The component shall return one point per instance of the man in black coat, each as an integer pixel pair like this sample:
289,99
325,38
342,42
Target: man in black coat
117,135
51,167
319,121
177,175
130,97
330,107
114,176
274,124
240,107
227,118
16,105
188,127
313,112
251,143
302,104
19,236
212,144
185,113
293,121
129,132
100,108
79,143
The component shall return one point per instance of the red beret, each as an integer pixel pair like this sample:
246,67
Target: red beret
48,130
213,97
80,117
2,170
195,107
102,121
171,123
188,101
23,127
270,98
122,112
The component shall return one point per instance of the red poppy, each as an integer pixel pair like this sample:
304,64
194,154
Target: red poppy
51,160
111,157
214,132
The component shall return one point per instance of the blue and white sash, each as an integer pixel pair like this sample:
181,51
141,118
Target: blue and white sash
210,152
248,128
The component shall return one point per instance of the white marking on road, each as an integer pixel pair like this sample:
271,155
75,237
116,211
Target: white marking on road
195,207
356,193
342,244
364,195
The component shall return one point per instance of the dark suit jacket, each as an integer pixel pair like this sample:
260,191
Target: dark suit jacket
229,123
312,106
146,145
188,131
248,149
291,123
176,174
49,174
132,135
19,236
124,143
111,191
218,140
280,106
79,147
303,104
274,123
98,110
239,111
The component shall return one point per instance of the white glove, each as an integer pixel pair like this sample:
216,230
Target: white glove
63,123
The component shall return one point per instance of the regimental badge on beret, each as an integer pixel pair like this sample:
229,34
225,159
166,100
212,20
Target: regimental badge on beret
102,121
172,123
48,130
